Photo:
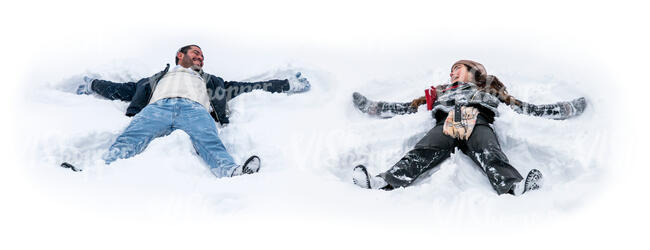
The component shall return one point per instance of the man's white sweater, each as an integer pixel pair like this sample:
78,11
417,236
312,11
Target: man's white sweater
184,83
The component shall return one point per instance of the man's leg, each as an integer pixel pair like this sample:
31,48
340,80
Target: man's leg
430,151
153,121
195,120
484,149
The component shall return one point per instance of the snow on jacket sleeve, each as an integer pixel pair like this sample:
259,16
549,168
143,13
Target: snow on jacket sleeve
557,111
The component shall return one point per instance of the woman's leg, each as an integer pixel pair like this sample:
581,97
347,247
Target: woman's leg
430,151
484,149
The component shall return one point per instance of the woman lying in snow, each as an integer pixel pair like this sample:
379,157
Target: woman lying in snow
464,111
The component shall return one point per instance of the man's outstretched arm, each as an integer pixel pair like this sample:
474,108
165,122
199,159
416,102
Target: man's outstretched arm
296,84
108,89
114,91
274,86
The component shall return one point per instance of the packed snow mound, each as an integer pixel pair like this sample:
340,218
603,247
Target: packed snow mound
308,144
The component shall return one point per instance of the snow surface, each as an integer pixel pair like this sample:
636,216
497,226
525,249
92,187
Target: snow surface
309,144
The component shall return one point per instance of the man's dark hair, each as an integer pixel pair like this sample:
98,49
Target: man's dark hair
184,50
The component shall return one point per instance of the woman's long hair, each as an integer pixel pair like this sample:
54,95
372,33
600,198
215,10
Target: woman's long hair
491,84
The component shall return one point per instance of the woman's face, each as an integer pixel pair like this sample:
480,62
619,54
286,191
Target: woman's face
460,73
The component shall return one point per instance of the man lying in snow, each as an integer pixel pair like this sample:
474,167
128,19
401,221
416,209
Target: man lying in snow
220,91
184,98
464,111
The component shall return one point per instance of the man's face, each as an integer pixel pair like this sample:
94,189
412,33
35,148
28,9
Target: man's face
192,59
460,73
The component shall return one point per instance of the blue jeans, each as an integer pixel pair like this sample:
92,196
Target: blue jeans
166,115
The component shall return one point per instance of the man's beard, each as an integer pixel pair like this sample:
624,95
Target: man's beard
196,68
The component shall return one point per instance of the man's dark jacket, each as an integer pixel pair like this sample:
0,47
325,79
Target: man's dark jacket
139,93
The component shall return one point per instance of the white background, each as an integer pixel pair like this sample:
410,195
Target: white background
65,34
